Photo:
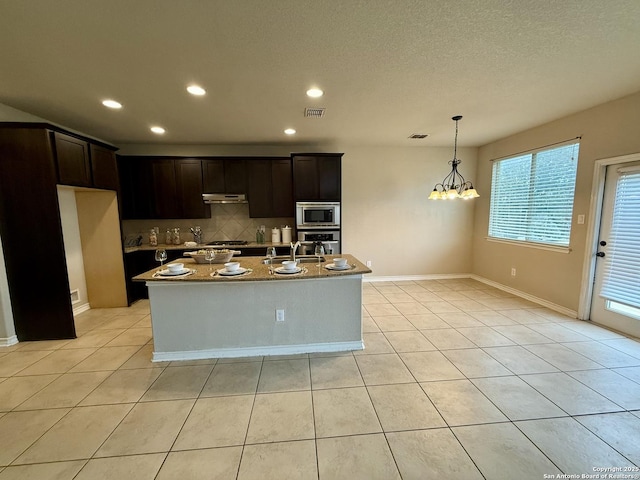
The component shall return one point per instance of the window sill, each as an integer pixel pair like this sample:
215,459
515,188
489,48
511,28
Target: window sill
538,246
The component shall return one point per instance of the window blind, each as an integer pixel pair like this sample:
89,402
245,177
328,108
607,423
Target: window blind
532,196
621,281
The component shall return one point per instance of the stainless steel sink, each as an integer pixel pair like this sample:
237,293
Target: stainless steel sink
299,258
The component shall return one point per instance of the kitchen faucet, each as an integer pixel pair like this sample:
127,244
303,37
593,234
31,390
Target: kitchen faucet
294,247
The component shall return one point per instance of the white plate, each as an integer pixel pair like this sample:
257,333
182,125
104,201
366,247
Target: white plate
288,272
169,273
225,273
333,266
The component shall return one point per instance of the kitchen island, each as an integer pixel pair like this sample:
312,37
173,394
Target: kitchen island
207,315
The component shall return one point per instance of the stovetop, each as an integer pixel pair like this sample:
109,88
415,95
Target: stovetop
228,242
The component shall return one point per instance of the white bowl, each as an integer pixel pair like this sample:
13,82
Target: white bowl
289,264
231,266
175,267
340,262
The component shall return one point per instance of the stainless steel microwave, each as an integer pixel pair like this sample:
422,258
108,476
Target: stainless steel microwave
317,215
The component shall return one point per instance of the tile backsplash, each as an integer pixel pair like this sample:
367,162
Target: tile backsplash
227,222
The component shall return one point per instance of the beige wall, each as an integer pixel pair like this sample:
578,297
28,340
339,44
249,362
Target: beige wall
72,243
387,218
607,130
7,329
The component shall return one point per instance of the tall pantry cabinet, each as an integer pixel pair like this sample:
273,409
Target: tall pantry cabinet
34,158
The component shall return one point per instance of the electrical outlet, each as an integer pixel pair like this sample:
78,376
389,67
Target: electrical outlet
280,315
513,271
368,263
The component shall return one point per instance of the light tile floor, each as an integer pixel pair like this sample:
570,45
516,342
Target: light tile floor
458,380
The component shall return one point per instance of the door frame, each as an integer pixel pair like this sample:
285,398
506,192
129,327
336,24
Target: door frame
593,229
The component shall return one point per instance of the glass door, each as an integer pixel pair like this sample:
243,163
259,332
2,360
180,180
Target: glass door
616,294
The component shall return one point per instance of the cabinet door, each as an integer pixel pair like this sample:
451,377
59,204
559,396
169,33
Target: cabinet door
260,190
305,178
329,178
282,183
235,175
189,189
164,189
213,176
72,156
104,168
135,187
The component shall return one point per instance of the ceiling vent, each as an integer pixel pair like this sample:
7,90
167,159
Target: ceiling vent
314,112
419,135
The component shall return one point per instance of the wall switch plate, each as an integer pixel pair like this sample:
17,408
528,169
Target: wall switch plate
280,315
368,263
580,219
513,271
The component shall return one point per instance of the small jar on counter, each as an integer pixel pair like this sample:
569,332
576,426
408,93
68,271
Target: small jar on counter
275,235
153,238
176,236
168,238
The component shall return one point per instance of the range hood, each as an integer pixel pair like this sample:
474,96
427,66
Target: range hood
224,198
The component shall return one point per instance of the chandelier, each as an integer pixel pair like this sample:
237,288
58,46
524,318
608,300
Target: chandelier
454,185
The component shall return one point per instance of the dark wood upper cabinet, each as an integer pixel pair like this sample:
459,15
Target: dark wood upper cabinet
74,164
82,163
305,178
235,175
213,176
164,193
177,188
317,177
329,178
135,188
224,175
282,182
260,190
189,189
104,168
270,187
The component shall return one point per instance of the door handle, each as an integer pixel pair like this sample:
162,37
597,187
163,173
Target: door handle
600,254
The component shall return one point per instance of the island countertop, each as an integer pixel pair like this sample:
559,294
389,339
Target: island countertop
259,271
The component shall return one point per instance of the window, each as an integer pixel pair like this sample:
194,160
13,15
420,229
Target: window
532,196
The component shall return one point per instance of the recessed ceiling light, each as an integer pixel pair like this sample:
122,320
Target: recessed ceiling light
111,104
314,92
290,131
158,130
196,90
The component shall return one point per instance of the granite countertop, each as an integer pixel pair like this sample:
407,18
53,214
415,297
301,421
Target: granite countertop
259,271
182,246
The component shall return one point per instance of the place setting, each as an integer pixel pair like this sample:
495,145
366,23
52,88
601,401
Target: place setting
290,267
231,269
339,264
174,270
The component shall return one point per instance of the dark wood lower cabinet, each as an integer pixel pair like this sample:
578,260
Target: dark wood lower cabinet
142,261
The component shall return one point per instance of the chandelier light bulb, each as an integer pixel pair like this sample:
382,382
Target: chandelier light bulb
454,185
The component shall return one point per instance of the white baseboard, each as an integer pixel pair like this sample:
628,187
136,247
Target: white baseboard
540,301
545,303
8,341
81,308
413,278
257,351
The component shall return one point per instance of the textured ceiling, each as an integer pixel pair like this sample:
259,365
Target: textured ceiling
389,68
